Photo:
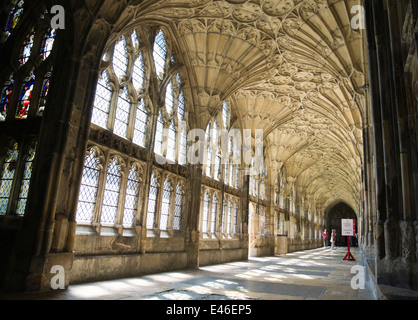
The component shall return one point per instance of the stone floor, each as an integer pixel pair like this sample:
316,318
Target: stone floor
318,274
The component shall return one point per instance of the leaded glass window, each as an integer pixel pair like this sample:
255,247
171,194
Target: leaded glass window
171,143
6,94
48,43
120,58
165,205
205,215
101,107
131,198
89,186
111,193
7,177
235,217
25,98
214,213
138,74
26,50
123,110
24,187
140,128
159,135
160,54
152,201
228,227
178,208
14,16
44,94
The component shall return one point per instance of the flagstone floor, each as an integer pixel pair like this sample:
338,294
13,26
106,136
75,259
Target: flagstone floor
318,274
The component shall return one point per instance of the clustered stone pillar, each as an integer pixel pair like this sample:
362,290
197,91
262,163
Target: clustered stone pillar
392,140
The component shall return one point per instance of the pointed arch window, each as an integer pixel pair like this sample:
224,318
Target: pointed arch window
48,43
178,208
7,177
132,196
159,135
123,111
15,16
165,205
160,54
214,213
25,184
140,128
111,193
171,143
120,58
236,217
89,187
152,201
205,215
26,50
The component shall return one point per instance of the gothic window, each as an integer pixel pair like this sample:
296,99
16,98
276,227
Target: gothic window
15,178
111,193
178,208
15,16
228,227
165,205
205,216
34,67
89,186
152,201
214,213
120,105
7,178
159,135
132,196
235,217
209,152
25,183
160,54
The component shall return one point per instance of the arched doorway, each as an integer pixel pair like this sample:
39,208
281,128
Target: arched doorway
333,218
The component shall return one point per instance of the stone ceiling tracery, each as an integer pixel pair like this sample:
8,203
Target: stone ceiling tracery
294,68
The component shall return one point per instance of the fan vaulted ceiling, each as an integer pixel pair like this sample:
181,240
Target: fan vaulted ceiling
294,68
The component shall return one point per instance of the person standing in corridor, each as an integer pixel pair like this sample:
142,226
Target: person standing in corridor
325,237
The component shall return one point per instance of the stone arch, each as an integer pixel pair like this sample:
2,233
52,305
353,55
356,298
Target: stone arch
332,219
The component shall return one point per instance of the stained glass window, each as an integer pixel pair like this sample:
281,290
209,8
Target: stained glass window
160,54
111,193
123,110
102,100
131,199
205,216
48,43
214,213
44,94
14,16
27,48
24,187
25,97
5,98
7,176
89,185
140,128
178,208
152,201
165,205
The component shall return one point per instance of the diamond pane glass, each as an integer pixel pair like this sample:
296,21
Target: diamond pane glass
123,110
205,216
183,147
111,193
214,213
120,58
138,74
178,208
236,218
24,188
160,54
159,135
102,100
171,145
131,199
88,191
152,202
228,226
140,128
169,98
7,176
165,205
